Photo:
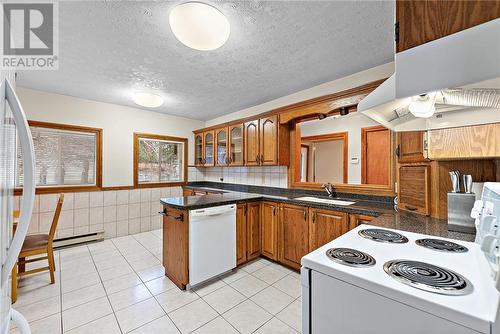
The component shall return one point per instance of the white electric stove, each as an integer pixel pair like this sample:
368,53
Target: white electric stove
348,287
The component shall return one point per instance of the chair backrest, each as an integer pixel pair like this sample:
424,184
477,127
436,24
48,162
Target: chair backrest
55,220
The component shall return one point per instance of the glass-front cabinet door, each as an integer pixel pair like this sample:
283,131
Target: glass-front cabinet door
198,149
221,148
209,148
236,145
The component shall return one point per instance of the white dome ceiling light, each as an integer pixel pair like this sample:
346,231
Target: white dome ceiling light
148,100
423,105
199,26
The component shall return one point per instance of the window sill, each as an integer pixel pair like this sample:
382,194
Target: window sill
160,185
60,189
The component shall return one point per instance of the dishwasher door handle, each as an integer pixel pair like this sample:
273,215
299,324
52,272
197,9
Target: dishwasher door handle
216,214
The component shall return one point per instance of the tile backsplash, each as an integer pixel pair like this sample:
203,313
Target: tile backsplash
116,212
272,176
124,212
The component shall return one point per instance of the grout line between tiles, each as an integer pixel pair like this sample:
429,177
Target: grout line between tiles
107,296
144,283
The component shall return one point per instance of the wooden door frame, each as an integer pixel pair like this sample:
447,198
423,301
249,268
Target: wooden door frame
330,136
364,133
307,159
367,189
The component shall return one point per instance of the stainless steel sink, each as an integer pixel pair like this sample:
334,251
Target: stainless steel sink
324,200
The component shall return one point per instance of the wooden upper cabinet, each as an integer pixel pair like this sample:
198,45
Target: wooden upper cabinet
411,147
236,145
241,234
208,148
198,149
252,143
269,229
414,189
221,153
468,142
293,234
422,21
253,230
269,140
326,225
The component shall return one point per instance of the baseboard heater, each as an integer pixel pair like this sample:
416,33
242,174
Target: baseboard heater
79,239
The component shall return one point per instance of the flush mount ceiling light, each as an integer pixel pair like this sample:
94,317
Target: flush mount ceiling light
148,100
199,26
423,105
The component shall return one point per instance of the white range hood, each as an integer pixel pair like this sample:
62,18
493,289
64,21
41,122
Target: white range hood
464,71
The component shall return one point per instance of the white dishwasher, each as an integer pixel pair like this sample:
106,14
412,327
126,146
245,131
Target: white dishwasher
212,242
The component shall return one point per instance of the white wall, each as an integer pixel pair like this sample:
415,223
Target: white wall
351,81
351,123
118,124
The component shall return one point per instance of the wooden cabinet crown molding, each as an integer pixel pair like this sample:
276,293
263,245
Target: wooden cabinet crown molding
321,104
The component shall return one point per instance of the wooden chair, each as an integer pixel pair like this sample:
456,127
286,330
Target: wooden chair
37,244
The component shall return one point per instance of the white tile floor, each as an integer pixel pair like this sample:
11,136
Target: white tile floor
118,286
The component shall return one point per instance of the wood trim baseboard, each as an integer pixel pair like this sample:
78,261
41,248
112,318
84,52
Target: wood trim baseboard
58,190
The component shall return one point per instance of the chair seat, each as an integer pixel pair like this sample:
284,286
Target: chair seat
35,241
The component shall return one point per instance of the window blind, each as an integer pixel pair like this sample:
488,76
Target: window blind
62,157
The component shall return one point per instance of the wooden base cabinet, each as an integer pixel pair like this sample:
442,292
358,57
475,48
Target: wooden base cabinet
176,246
326,225
241,234
293,234
356,220
253,230
269,229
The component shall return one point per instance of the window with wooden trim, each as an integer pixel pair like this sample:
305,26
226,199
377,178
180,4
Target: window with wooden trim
159,160
66,156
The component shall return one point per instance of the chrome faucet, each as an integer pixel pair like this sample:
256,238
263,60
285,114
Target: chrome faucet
329,188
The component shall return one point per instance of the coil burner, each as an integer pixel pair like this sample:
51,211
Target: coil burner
350,257
441,245
381,235
428,277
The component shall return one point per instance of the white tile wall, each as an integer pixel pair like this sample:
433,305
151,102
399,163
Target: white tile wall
117,213
273,176
124,212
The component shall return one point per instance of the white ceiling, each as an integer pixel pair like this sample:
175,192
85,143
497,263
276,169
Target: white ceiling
109,49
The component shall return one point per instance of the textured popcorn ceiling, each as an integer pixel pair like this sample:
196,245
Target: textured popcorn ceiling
109,49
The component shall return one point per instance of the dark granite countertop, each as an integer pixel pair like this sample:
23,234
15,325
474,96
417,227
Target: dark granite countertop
387,215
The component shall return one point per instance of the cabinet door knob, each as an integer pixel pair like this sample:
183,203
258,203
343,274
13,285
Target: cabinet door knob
257,158
262,158
305,215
